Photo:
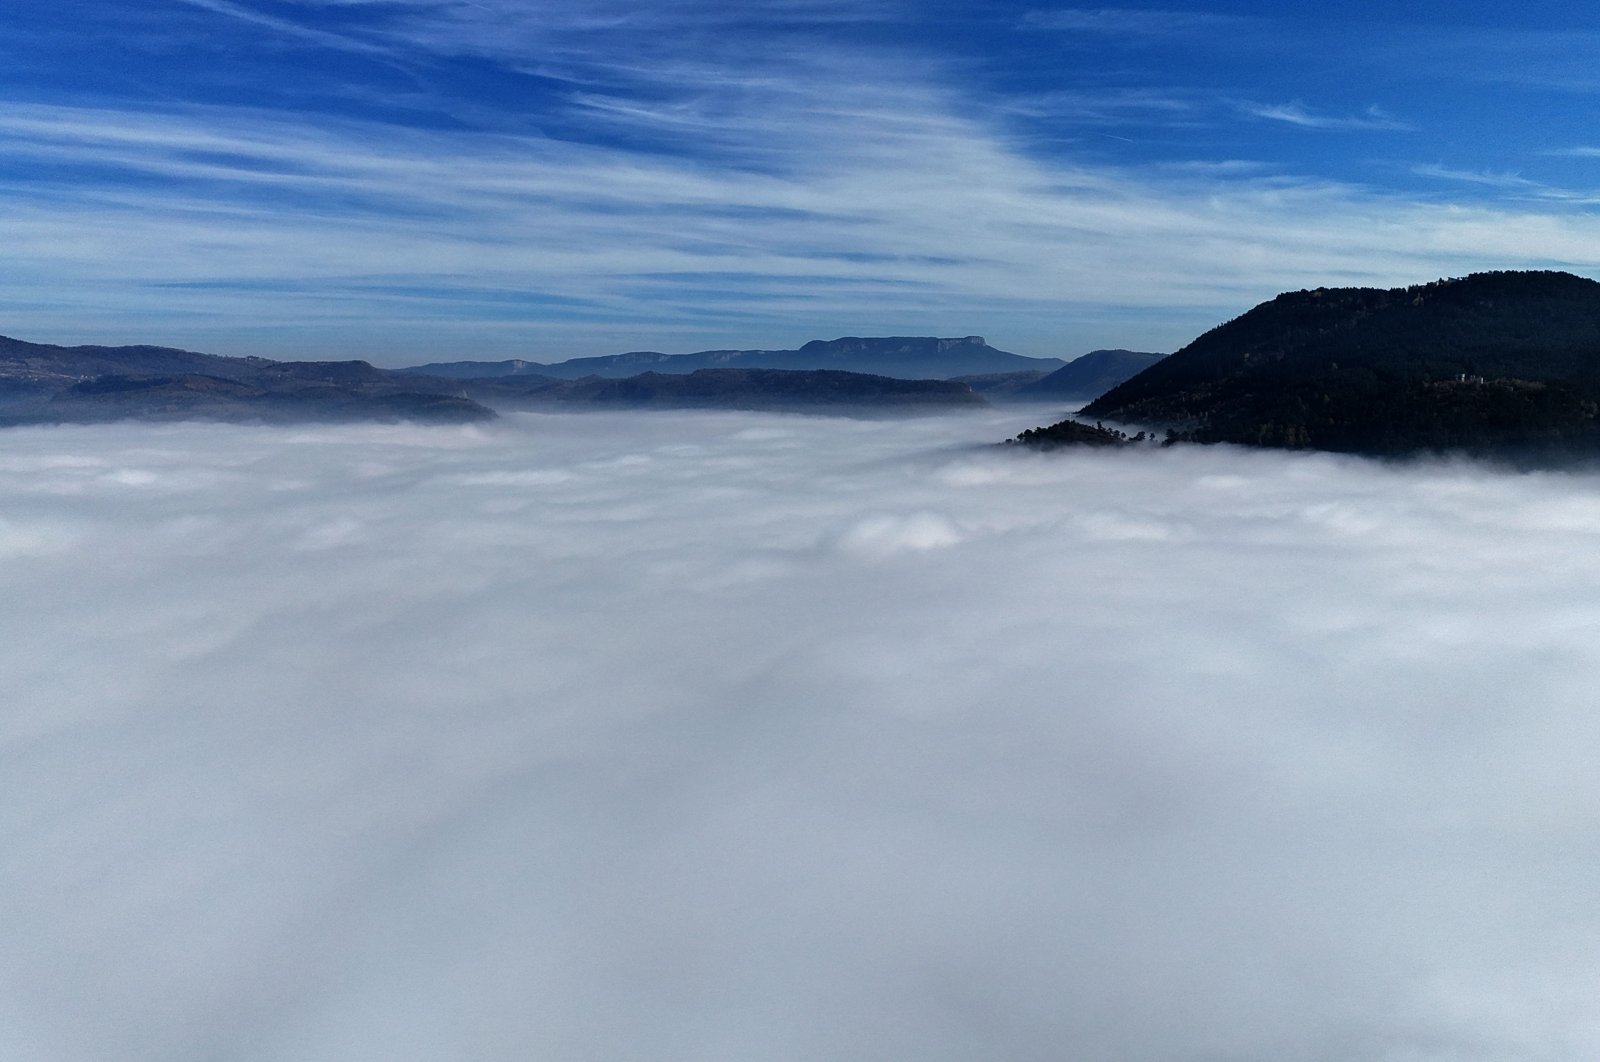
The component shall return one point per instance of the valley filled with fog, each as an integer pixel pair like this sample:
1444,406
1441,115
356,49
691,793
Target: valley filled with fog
722,736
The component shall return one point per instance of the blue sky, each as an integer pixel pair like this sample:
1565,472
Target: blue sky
403,180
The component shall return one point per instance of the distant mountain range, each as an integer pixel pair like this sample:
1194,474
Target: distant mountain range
769,389
1091,375
41,383
902,357
1077,381
1503,363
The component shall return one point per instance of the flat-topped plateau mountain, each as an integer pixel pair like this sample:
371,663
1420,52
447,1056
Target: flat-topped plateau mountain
1503,363
903,357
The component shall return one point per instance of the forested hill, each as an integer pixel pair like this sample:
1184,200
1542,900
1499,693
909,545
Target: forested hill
1490,361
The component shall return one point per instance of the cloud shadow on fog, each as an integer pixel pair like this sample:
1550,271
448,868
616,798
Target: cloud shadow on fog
727,736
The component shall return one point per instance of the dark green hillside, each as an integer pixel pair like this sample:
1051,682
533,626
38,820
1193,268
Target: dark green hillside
1074,433
1493,361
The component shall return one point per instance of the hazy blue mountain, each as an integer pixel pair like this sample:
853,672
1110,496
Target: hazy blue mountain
903,357
1502,363
200,397
1091,375
478,370
1000,386
777,389
46,362
42,383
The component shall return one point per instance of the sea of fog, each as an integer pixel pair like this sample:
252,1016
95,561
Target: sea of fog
734,738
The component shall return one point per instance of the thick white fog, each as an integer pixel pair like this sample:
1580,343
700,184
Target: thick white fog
711,737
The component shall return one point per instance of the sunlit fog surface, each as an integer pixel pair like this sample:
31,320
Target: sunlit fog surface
712,737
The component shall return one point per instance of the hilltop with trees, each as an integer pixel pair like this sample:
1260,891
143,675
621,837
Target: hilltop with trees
1494,362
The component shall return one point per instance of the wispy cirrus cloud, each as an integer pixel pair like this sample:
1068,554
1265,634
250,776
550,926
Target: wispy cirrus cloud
1298,114
912,218
253,16
1511,181
552,30
1141,106
1133,22
618,175
1514,185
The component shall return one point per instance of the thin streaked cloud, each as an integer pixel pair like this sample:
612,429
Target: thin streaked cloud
1494,180
1134,22
342,206
1133,106
621,173
287,27
1298,114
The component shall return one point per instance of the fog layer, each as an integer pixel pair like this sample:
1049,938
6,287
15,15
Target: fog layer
727,737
